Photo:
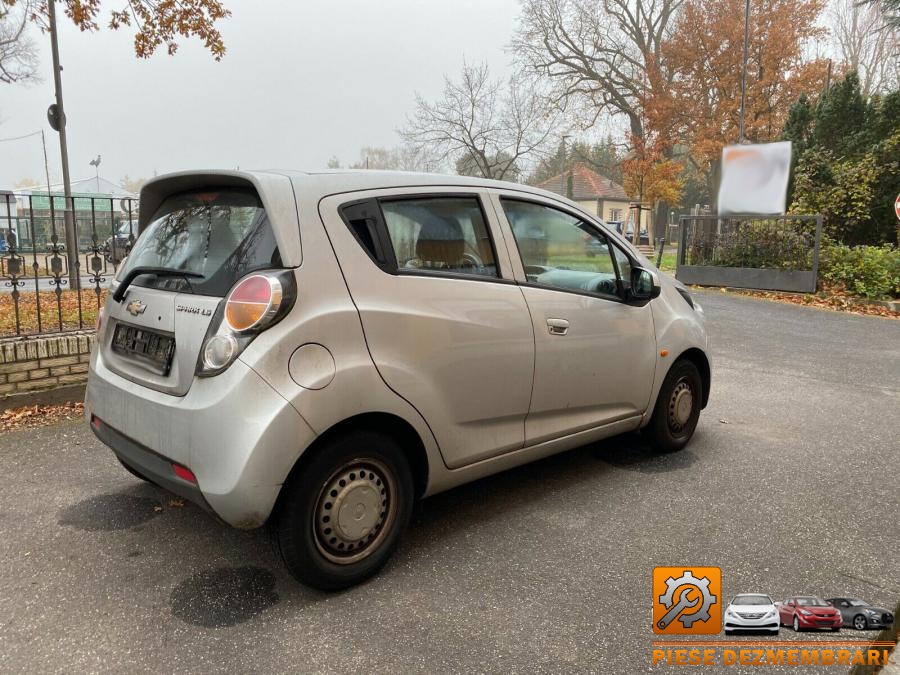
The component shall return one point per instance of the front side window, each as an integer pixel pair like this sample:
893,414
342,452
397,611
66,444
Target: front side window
440,234
561,250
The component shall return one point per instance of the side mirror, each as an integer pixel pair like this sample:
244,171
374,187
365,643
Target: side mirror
644,284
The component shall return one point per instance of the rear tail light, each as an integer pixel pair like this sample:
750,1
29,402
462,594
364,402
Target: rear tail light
255,303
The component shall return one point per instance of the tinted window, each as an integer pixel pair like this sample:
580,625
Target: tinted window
221,234
561,250
440,234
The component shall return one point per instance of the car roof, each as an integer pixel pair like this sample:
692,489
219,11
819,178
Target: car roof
318,183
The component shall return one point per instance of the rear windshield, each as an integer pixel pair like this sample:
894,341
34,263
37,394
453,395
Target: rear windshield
221,234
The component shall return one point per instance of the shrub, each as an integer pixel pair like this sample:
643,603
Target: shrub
764,243
869,271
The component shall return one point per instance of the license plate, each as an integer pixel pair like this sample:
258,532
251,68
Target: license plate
153,350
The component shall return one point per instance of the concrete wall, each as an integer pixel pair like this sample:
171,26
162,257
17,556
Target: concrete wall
33,364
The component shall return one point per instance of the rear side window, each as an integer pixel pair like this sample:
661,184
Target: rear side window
425,235
221,234
441,234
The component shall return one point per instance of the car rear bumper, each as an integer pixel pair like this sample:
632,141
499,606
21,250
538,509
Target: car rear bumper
237,435
150,465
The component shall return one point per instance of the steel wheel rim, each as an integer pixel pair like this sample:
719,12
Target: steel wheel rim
859,622
681,405
355,510
796,624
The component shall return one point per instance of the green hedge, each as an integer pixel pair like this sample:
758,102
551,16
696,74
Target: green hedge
869,271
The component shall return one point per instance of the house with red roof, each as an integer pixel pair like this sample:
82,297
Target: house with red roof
596,194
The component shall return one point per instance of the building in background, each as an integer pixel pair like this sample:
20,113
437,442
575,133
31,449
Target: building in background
596,194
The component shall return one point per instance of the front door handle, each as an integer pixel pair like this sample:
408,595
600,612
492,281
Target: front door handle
558,326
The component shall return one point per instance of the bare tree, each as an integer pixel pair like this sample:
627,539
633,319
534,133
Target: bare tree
603,54
18,55
493,128
404,157
867,43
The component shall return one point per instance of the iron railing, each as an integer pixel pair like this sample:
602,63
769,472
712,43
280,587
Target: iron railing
768,252
36,289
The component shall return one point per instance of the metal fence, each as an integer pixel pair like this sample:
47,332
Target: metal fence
765,252
44,288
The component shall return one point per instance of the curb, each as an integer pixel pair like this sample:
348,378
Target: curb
68,394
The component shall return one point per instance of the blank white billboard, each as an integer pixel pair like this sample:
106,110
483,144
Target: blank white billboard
755,179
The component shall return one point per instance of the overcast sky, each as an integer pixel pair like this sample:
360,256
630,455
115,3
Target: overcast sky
302,81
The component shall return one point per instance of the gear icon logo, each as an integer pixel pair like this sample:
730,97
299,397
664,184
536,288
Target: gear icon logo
686,600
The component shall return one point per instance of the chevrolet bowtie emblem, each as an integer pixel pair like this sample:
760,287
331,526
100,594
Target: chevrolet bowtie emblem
135,307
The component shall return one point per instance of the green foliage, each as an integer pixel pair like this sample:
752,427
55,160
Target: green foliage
841,190
870,271
604,158
841,117
847,162
766,244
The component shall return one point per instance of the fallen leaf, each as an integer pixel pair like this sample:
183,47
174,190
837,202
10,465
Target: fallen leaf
176,503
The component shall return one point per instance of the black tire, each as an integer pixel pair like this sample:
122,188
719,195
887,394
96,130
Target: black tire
865,622
796,624
367,462
664,431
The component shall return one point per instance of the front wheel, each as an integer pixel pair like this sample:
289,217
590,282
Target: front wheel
859,622
677,408
796,624
344,510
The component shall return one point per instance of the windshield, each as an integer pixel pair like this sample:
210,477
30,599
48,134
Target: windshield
752,600
812,602
220,234
857,603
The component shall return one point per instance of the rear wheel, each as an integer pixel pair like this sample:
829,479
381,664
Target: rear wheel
344,511
677,408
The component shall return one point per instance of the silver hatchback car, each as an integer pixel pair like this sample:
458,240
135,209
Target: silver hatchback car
316,351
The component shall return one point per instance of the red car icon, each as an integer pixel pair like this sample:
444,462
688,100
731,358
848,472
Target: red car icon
806,612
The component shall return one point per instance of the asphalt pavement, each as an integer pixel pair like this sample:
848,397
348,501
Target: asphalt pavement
791,486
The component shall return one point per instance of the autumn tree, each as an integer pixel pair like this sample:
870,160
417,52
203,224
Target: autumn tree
155,22
605,58
704,56
598,56
652,177
491,126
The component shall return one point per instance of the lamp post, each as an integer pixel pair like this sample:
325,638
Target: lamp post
742,137
58,114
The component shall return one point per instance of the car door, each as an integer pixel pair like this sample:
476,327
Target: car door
595,354
786,611
445,323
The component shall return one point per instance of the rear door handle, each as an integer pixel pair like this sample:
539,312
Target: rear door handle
558,326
